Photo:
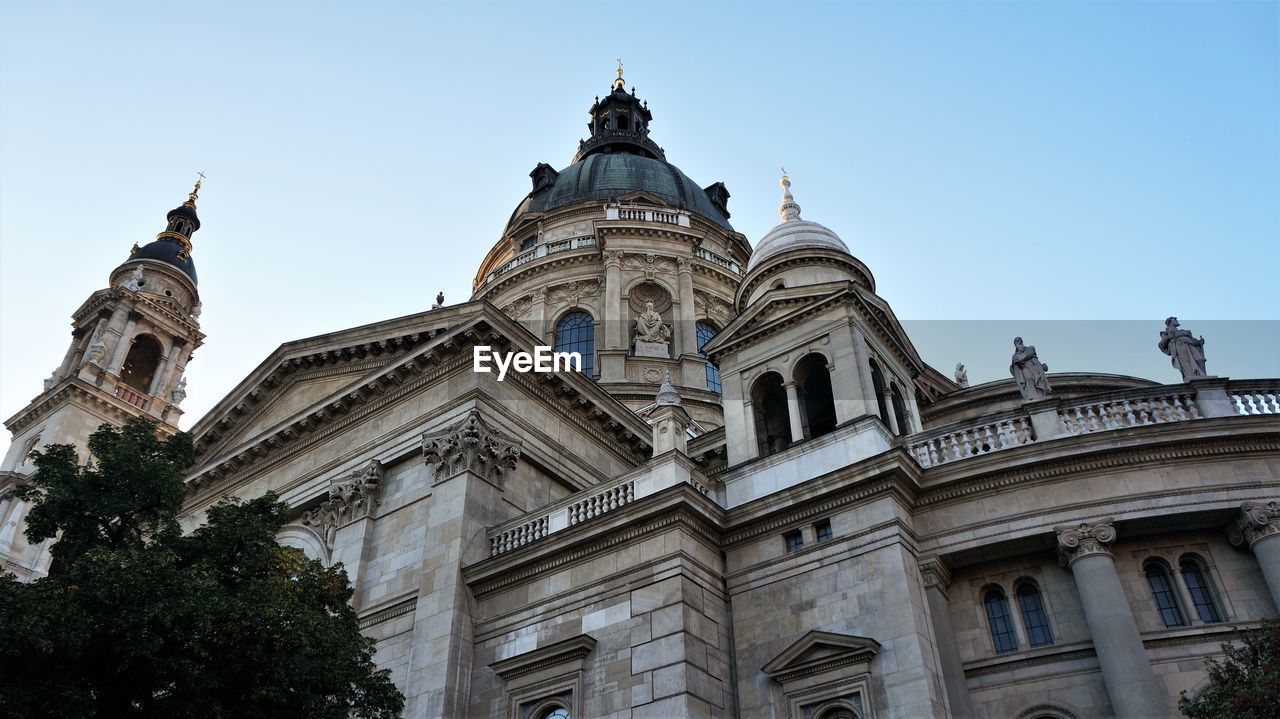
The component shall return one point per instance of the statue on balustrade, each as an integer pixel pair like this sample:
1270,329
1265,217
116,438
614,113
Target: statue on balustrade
1186,352
1029,372
962,377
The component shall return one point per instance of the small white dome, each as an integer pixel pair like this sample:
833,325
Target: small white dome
794,233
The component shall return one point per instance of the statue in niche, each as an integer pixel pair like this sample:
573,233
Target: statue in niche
135,280
95,352
650,327
962,377
1185,351
178,393
1029,372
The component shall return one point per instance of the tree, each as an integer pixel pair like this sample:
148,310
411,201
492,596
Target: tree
1245,683
136,619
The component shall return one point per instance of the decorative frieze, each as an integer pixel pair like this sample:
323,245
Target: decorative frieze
1085,539
1256,521
351,497
471,445
572,292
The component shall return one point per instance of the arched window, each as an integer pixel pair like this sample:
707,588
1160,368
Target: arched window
773,423
576,332
1001,621
838,713
1162,592
623,122
1034,619
1196,579
818,406
141,363
555,713
899,409
877,386
705,332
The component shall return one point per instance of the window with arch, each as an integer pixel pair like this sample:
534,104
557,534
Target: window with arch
1196,577
878,386
772,420
140,364
1035,621
838,713
1000,621
576,332
555,713
899,408
1163,594
705,332
817,401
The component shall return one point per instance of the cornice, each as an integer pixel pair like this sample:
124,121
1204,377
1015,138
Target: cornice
832,258
540,266
72,389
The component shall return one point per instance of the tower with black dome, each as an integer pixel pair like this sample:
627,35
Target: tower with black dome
130,344
619,232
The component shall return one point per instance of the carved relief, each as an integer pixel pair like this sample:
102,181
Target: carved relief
1084,539
649,264
470,445
351,497
1256,522
572,292
518,307
711,306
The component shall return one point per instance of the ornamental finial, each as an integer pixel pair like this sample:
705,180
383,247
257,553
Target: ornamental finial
790,209
192,196
618,82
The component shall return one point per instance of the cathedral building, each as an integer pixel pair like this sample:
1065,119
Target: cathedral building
755,499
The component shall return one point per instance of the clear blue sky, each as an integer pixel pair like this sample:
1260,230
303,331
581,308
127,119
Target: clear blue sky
988,161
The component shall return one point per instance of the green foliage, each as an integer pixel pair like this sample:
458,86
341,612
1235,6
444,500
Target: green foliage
141,621
1245,683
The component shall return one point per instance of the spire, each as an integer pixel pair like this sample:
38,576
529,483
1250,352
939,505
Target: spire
667,394
790,209
618,83
191,196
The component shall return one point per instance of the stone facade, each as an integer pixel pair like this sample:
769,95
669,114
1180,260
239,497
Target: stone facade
817,526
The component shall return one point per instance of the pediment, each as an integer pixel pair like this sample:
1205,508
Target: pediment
775,308
641,197
820,651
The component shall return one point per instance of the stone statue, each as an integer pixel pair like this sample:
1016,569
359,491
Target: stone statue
1186,351
135,280
440,299
962,377
1029,372
52,380
178,393
195,311
650,327
95,352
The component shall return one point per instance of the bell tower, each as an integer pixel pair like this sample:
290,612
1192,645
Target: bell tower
130,344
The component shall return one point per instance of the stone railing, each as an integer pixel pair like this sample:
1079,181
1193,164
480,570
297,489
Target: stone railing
1132,409
1255,397
542,250
1123,409
715,259
948,444
133,398
589,504
640,213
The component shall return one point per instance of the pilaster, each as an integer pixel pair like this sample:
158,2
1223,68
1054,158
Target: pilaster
937,578
345,517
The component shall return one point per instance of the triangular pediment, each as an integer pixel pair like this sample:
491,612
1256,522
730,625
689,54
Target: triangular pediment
820,651
776,307
640,197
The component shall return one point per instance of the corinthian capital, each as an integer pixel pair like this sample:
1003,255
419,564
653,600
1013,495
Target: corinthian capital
935,574
612,258
1084,539
470,445
351,497
1256,521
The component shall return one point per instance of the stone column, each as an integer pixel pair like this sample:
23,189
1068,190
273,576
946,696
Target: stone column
538,314
77,344
749,448
345,518
176,363
863,360
793,409
936,580
688,323
1131,684
891,416
468,461
1258,528
123,342
613,324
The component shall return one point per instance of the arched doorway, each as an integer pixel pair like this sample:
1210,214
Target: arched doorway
817,402
769,405
140,364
